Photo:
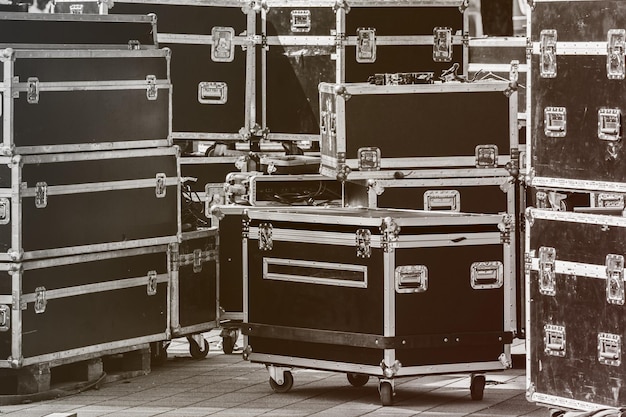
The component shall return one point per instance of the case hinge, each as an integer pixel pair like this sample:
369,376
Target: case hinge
369,159
40,300
616,48
161,185
152,92
389,230
265,236
151,288
554,340
300,21
365,45
615,279
222,47
486,275
610,124
555,122
5,318
411,278
610,349
32,90
442,44
547,51
547,274
363,241
212,92
41,195
174,256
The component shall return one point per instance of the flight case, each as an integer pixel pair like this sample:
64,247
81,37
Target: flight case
393,131
81,100
577,136
575,309
367,292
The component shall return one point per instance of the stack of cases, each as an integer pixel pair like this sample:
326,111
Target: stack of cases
90,195
439,146
575,257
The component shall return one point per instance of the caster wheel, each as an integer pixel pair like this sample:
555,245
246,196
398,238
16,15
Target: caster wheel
230,341
158,354
477,387
195,350
386,393
357,380
285,386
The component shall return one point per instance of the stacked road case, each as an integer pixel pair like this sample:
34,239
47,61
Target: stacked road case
575,255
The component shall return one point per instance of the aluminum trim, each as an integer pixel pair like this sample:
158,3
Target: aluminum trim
313,280
99,187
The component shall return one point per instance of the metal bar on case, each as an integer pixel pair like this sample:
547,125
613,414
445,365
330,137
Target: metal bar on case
430,161
91,53
68,17
574,184
92,147
96,156
448,240
475,67
206,136
92,85
575,48
95,288
573,268
402,40
573,217
195,39
312,236
353,89
98,187
301,40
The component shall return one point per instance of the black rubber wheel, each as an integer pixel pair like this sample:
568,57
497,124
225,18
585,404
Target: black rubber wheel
356,379
477,387
228,344
285,386
195,350
386,393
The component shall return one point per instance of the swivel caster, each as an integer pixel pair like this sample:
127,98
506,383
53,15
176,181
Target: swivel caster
477,387
385,389
198,346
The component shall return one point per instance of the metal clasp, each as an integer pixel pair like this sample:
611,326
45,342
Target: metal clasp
363,241
222,47
609,349
32,90
369,159
547,66
265,236
212,92
411,278
442,44
151,288
554,340
616,47
486,156
5,210
5,318
366,45
615,279
300,20
41,195
555,122
161,185
610,124
152,92
547,274
76,9
198,257
40,300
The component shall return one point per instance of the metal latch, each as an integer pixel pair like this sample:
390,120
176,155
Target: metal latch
134,44
161,185
365,45
555,122
212,92
486,275
442,44
616,48
5,318
547,274
609,349
152,91
41,195
610,124
151,288
369,159
222,48
411,278
449,200
615,279
610,200
328,120
547,51
40,300
265,236
486,156
300,20
363,241
5,210
197,260
554,340
76,9
32,90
